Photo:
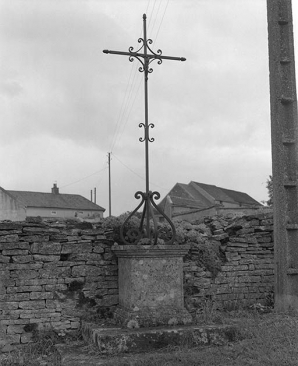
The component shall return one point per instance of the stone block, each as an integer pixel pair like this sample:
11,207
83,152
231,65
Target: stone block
31,229
57,287
25,274
249,279
41,295
55,272
46,248
22,258
15,252
75,248
35,238
85,257
4,274
9,238
23,289
26,337
15,329
46,258
32,304
15,297
20,266
87,270
14,322
4,259
237,245
8,305
98,249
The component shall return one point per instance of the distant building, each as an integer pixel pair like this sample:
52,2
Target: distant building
195,200
17,205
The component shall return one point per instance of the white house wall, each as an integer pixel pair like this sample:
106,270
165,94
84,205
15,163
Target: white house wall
9,208
62,213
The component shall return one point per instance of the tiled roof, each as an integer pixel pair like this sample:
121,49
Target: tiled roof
51,200
227,195
241,197
188,195
217,193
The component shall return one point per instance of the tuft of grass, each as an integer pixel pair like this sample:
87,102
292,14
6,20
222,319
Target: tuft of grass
40,352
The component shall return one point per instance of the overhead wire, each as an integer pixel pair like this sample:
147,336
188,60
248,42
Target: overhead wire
128,95
128,100
163,15
88,176
138,175
121,111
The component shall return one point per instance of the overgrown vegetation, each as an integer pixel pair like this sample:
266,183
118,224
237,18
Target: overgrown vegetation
34,354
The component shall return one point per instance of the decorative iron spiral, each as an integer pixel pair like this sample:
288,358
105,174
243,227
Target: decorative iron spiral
152,233
142,139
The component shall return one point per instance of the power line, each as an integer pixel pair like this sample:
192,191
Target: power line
155,16
125,123
162,19
126,107
121,111
132,171
80,180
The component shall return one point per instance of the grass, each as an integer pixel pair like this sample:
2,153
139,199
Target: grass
41,352
263,340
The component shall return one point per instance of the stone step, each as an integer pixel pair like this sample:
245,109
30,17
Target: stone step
114,340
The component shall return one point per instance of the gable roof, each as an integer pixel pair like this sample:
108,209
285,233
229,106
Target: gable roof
186,195
202,196
50,200
227,195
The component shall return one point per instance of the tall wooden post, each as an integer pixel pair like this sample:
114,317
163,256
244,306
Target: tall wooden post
284,139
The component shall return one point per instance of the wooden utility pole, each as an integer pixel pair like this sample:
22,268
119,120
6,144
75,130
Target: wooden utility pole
284,139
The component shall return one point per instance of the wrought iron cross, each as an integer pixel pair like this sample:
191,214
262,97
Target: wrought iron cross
146,230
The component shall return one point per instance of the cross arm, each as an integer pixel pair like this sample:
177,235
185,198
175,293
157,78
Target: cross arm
148,56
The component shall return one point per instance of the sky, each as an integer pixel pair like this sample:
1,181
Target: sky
65,104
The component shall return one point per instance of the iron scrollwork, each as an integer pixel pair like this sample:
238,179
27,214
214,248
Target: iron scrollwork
146,132
148,228
150,232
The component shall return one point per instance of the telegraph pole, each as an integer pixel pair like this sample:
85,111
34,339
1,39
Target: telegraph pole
284,140
110,197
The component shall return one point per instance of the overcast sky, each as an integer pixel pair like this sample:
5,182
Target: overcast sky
65,104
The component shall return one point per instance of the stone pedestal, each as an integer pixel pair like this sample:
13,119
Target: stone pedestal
151,285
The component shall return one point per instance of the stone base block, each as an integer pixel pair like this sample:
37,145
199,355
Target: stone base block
151,317
118,340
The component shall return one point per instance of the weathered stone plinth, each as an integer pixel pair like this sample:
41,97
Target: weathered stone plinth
118,340
151,285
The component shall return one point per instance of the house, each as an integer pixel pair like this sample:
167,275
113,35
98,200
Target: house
17,205
195,200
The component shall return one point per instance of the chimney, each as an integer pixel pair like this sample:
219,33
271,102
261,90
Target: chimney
55,189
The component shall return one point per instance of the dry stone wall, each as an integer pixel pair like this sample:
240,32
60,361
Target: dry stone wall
52,274
230,262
